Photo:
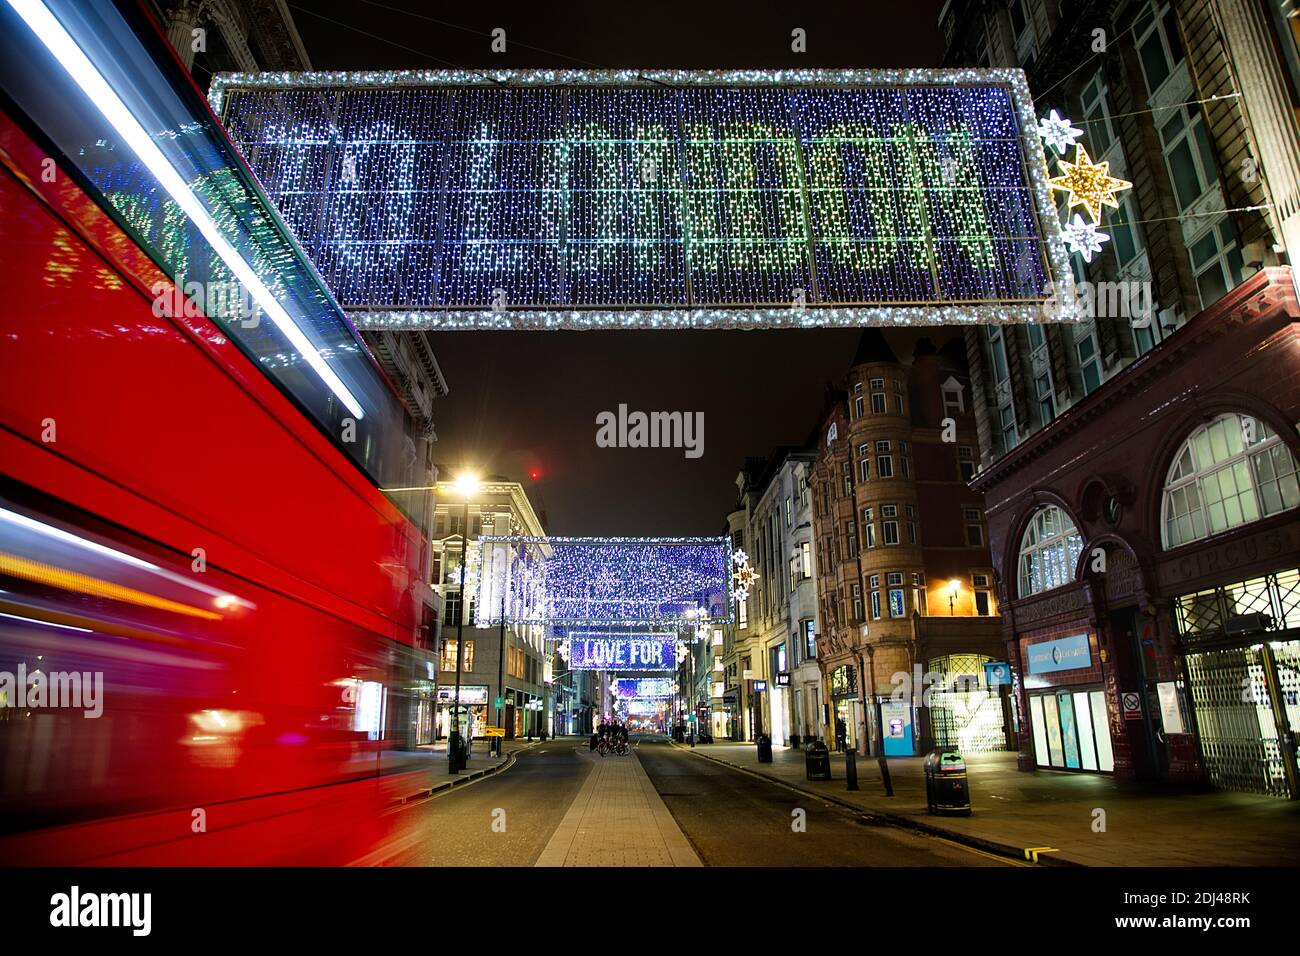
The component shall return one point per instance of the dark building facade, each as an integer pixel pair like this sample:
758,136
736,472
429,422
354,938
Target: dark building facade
1140,465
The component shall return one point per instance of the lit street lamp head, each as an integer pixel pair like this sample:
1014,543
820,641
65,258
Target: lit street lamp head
467,484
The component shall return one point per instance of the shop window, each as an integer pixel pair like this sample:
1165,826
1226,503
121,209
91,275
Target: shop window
1070,731
1049,551
1228,473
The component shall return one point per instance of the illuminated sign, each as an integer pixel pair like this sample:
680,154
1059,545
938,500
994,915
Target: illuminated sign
622,653
578,199
643,687
1065,654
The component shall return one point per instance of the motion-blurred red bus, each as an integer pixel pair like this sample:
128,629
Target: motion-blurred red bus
212,620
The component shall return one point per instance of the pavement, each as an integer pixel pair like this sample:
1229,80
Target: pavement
1053,818
435,775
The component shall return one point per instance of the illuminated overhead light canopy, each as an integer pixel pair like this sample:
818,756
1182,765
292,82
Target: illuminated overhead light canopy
102,96
544,199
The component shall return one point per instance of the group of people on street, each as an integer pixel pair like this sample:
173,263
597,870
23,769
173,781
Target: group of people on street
612,730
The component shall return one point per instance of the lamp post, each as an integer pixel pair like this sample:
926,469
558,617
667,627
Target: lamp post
467,486
953,585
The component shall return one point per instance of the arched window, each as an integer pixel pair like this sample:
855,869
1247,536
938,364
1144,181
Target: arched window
1049,551
1231,472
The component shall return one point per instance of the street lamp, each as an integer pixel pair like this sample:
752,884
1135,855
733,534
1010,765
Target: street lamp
467,485
953,586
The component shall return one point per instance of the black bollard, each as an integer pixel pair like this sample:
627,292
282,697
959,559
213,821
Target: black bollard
851,768
884,776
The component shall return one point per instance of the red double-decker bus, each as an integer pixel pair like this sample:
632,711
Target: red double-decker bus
211,640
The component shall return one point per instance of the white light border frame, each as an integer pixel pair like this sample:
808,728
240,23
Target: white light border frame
1059,303
597,541
664,637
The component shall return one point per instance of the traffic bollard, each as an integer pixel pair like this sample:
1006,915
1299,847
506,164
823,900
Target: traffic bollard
851,768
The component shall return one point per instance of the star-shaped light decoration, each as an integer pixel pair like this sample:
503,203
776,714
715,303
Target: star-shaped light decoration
744,576
1058,133
1083,237
1089,184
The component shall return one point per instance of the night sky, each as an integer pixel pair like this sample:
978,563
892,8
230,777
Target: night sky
523,401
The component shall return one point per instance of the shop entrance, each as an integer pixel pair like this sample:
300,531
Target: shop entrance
964,711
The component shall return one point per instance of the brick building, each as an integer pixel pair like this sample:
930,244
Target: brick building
904,577
1140,465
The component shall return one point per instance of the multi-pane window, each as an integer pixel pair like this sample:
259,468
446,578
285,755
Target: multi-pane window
889,524
853,538
794,573
904,461
1188,155
809,639
873,583
911,523
953,404
742,613
1159,47
848,478
859,401
998,349
974,522
898,397
983,596
918,592
884,460
1125,234
897,604
1049,551
869,527
448,662
864,462
788,515
805,553
1046,401
966,461
1230,472
1089,363
1216,262
1007,419
857,601
1096,114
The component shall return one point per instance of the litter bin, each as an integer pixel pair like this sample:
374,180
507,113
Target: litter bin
817,761
595,739
764,748
947,792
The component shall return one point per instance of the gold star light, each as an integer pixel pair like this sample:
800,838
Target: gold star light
1089,184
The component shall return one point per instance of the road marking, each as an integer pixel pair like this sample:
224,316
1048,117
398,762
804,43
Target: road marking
1031,852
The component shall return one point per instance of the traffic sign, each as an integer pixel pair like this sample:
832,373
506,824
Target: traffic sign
494,731
1132,705
500,703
